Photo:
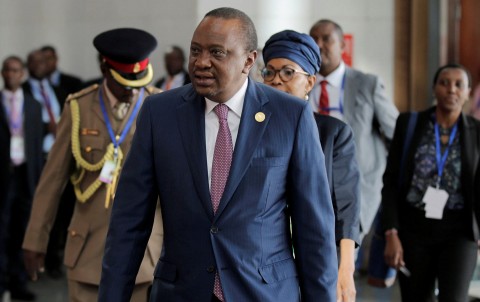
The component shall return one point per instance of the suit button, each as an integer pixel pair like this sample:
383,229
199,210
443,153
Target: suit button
213,230
88,149
211,269
73,233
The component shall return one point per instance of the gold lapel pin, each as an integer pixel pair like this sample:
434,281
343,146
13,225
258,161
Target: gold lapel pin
260,117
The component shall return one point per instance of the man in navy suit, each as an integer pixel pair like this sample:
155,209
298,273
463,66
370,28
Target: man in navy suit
240,249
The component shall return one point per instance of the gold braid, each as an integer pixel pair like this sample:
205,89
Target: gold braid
82,164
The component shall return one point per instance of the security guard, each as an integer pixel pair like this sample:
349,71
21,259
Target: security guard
93,139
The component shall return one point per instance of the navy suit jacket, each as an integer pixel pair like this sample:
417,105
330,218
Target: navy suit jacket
338,146
277,172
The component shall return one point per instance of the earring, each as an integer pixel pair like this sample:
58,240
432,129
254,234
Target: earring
306,95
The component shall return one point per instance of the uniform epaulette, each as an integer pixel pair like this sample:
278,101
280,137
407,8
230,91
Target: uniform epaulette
153,90
82,92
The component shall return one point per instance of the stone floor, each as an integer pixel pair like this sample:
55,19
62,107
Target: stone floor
55,290
51,290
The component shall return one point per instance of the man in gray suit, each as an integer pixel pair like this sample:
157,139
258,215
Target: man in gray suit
359,100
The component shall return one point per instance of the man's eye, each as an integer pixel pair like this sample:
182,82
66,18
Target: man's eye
218,53
194,50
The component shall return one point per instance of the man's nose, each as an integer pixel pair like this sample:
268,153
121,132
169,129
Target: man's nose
203,60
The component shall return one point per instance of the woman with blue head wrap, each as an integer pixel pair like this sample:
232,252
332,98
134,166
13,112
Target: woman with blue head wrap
291,61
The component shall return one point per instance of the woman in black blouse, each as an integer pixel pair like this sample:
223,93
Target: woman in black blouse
429,198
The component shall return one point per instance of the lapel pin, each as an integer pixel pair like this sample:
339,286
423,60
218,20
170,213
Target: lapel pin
260,117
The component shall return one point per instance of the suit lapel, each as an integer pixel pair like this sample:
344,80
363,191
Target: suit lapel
469,147
191,123
250,133
3,115
97,110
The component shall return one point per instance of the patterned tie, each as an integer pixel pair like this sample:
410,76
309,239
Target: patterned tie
323,103
222,160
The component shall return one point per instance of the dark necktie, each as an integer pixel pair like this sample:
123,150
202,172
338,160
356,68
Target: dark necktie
324,102
222,160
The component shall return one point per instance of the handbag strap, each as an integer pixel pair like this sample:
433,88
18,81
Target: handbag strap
412,121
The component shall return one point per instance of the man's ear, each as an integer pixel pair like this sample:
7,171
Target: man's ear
250,61
104,68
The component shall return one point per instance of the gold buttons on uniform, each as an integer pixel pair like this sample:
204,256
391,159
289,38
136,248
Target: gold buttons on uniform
260,117
73,233
88,149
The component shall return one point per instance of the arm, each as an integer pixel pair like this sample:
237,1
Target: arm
312,214
132,215
390,196
386,112
346,192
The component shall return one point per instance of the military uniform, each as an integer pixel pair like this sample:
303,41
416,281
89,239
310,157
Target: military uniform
83,146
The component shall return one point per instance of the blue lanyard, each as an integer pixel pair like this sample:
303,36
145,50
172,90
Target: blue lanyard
116,142
442,159
340,101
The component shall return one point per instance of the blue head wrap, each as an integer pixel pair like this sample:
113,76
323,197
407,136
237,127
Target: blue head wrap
297,47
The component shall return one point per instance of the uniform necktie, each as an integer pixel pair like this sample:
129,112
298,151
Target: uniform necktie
222,160
324,102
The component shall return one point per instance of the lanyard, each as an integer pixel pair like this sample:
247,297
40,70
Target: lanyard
340,99
116,142
442,159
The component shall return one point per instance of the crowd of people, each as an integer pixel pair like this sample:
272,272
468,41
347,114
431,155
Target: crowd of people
214,186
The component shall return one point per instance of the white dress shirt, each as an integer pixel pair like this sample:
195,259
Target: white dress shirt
235,106
334,89
17,140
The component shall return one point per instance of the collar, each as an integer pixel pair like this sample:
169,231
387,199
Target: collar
235,104
335,78
55,77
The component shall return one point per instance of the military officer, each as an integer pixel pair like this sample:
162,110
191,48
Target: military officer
93,138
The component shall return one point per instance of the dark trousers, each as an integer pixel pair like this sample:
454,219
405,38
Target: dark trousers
15,212
451,263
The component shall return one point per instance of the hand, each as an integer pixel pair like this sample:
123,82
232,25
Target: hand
34,263
394,251
346,291
345,285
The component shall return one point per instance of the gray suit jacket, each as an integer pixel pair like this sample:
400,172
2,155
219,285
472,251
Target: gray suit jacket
372,117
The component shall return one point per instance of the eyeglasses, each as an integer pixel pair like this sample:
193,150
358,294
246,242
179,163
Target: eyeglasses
286,73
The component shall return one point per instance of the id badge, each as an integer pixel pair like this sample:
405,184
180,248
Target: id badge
17,148
106,175
435,201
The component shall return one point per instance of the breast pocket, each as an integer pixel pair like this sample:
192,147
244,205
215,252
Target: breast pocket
270,161
93,148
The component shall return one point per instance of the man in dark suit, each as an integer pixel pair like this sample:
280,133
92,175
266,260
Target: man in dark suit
177,75
65,82
21,129
52,98
233,162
